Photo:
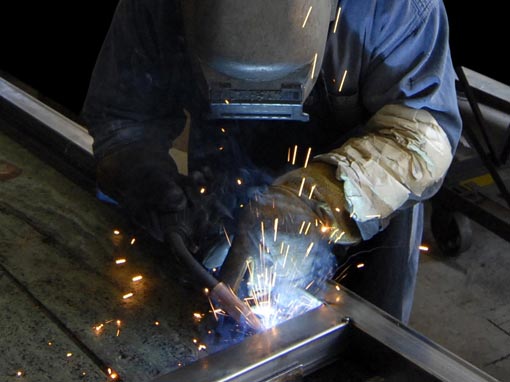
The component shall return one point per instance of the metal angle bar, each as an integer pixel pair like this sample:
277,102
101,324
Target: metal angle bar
49,117
505,151
421,351
478,116
490,160
304,342
307,341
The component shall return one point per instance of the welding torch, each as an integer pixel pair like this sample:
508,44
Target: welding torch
217,290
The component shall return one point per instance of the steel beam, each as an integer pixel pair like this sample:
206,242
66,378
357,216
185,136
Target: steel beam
300,345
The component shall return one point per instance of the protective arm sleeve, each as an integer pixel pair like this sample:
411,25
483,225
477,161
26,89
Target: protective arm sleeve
136,92
404,154
407,86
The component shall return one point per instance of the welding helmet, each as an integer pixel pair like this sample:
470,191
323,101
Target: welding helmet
257,59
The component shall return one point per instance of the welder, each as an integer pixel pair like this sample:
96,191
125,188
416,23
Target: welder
341,115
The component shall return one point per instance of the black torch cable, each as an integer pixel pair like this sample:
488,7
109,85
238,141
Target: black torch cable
196,268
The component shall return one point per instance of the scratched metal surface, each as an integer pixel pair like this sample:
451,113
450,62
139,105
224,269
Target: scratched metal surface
57,242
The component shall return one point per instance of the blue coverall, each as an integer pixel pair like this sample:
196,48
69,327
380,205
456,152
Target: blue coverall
394,51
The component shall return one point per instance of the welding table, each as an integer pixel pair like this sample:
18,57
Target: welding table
59,267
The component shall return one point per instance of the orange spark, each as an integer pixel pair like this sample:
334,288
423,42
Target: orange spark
307,15
128,295
311,191
120,261
308,156
342,82
294,155
263,235
337,18
286,255
308,228
301,187
309,249
302,227
112,374
137,278
226,236
314,64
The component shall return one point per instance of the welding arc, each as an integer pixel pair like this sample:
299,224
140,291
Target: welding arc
238,310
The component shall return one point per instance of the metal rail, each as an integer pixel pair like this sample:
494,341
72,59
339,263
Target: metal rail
49,117
315,338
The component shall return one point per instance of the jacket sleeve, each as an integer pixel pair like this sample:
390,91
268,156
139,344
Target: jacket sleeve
136,90
408,86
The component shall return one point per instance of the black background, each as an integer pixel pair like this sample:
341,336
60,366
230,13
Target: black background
52,46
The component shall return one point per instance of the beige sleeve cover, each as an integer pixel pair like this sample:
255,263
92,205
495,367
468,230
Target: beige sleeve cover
404,152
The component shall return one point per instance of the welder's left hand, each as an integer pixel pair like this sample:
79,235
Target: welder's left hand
288,228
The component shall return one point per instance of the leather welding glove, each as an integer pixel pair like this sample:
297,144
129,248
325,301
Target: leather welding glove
146,183
287,230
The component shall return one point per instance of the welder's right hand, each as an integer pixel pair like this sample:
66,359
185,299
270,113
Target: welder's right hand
289,228
145,182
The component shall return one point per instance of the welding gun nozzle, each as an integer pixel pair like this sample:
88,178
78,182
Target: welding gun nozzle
238,310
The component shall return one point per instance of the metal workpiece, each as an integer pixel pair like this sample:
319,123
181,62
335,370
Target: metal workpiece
300,345
58,140
60,124
377,324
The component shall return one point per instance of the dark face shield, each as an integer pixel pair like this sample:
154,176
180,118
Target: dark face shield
257,59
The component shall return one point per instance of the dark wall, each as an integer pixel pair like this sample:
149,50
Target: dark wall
479,34
53,46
